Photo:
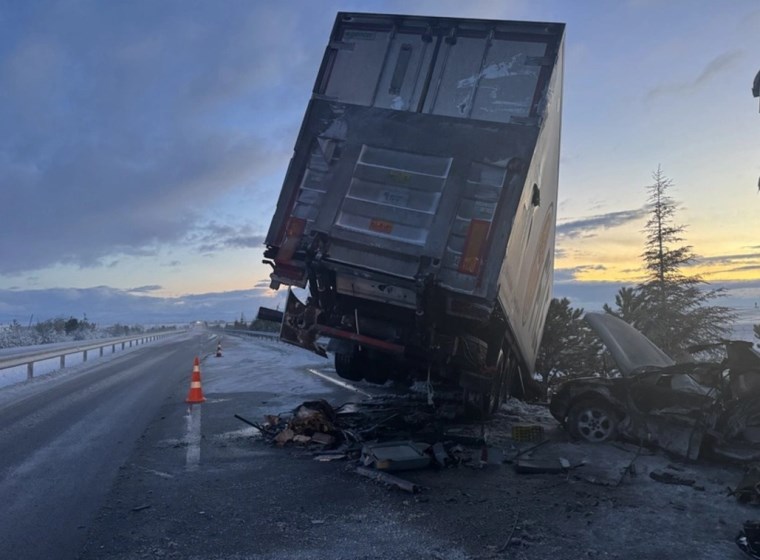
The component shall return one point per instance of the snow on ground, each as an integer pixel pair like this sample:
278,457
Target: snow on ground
265,365
244,360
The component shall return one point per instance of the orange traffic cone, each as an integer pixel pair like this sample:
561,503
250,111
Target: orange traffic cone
195,395
219,350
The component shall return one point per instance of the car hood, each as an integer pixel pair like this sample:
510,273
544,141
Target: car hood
630,349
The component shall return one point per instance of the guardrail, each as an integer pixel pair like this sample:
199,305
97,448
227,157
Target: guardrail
30,358
256,334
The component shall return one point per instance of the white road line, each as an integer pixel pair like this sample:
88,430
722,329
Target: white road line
193,437
340,383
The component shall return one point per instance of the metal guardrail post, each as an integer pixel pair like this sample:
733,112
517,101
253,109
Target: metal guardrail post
30,358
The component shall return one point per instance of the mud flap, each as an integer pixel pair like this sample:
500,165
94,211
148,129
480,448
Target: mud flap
299,325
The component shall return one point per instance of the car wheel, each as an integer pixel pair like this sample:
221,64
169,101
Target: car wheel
593,420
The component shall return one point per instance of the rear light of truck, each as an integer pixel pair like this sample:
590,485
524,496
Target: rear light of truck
474,245
293,233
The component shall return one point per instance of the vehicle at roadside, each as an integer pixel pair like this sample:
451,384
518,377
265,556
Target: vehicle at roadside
419,208
689,409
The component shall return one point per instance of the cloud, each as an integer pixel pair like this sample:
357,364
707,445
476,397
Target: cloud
565,275
105,305
727,259
121,125
715,67
145,289
589,227
214,237
727,264
590,296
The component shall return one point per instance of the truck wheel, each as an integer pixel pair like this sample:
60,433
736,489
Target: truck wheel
593,420
493,399
347,366
483,405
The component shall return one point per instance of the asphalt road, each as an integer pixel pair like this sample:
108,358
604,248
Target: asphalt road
63,441
113,464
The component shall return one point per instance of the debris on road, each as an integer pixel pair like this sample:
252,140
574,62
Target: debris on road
395,456
527,433
748,539
668,477
327,457
439,454
748,490
313,416
539,466
322,438
310,422
284,436
389,479
250,423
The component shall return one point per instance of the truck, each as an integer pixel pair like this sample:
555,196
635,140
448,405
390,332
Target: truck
417,215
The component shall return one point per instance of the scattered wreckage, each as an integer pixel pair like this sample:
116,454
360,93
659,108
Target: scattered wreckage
388,435
689,409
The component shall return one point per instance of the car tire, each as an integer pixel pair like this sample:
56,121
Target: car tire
593,420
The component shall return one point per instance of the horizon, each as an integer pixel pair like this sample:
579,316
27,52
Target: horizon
146,145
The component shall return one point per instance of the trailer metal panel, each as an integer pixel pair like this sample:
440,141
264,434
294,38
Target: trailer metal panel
424,179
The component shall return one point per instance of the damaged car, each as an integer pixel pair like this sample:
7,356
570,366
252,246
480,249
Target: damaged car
690,409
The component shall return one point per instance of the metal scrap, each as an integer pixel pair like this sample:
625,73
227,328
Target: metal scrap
748,539
748,490
389,479
395,456
668,477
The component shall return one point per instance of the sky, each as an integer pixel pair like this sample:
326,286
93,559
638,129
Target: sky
143,145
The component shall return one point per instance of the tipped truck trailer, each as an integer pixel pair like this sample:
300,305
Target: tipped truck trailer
419,208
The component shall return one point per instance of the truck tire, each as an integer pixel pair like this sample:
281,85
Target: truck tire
347,366
484,404
491,401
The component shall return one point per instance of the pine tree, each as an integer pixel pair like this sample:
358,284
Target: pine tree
668,306
629,304
568,346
